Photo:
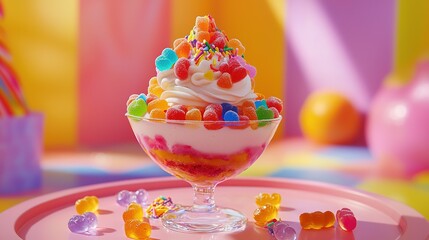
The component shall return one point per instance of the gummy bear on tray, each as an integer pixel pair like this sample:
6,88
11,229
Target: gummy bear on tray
84,223
125,197
346,219
87,204
317,220
264,214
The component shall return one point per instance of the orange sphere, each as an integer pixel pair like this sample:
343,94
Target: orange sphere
330,118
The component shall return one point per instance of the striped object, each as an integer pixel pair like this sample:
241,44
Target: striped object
12,102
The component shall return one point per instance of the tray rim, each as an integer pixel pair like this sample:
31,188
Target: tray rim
15,220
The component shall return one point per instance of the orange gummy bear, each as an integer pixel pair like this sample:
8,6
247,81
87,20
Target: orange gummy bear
157,113
317,220
183,49
138,229
236,45
203,35
202,23
133,212
157,103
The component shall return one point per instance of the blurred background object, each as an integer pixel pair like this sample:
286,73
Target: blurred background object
21,131
396,133
328,117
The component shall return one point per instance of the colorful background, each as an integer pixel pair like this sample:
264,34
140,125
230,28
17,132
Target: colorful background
78,61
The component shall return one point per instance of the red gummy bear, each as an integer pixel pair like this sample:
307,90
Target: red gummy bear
181,68
275,102
175,114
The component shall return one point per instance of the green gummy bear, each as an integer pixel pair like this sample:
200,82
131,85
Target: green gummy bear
137,108
264,113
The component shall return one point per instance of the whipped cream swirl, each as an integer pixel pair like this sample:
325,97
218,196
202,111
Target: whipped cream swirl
196,90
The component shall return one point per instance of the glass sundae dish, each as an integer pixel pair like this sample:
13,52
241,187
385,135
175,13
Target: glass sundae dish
202,122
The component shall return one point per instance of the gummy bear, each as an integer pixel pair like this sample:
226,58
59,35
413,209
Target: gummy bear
202,23
183,49
227,107
157,113
87,204
86,222
346,219
275,102
203,35
162,63
250,112
211,117
259,103
233,63
125,197
138,229
236,45
248,103
224,67
175,114
181,68
153,81
264,214
166,60
137,108
134,211
238,74
282,231
231,115
224,81
157,103
276,113
264,113
273,199
317,220
170,54
193,114
217,108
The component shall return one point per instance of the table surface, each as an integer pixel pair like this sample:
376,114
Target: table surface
350,166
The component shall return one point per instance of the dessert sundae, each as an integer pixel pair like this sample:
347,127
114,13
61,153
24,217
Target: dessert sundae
201,119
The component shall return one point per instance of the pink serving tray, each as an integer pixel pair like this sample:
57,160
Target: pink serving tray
46,217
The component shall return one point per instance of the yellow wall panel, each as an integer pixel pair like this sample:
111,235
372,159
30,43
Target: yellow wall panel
42,37
412,36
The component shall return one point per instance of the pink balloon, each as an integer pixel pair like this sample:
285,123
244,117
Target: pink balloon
398,123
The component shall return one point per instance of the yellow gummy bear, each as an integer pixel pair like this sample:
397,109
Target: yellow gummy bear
87,204
273,199
264,214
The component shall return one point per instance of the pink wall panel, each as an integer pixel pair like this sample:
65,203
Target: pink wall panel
345,46
118,42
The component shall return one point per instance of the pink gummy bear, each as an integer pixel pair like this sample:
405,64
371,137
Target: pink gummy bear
346,219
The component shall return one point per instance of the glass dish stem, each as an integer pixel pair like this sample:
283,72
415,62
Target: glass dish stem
204,198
